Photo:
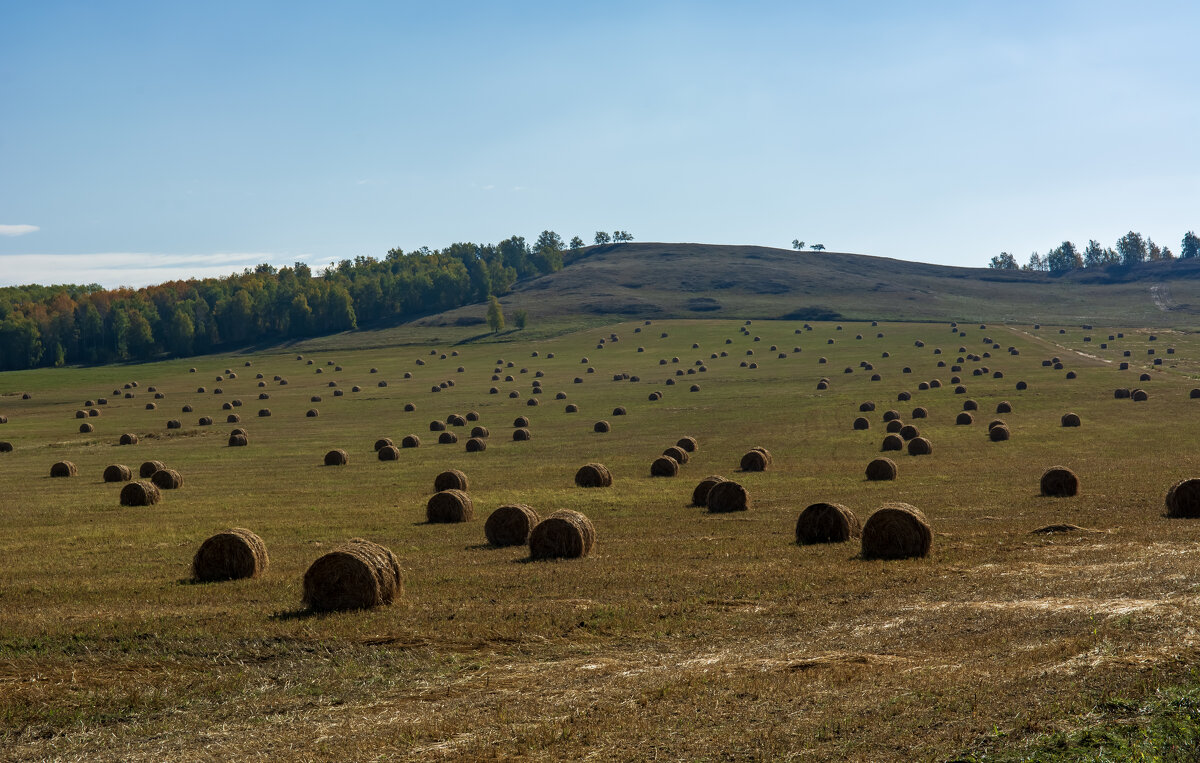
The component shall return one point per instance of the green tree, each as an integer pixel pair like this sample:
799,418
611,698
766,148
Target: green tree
1190,247
797,243
1132,248
817,247
602,237
495,315
180,333
521,318
547,252
1064,257
621,236
1035,263
1004,261
576,243
1093,254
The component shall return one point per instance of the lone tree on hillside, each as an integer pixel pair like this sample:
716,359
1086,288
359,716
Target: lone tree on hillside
576,242
495,315
797,243
1190,247
1004,261
602,237
621,236
818,247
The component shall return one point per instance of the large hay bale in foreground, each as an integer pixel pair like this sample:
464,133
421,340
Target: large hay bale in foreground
827,523
861,423
63,469
356,575
1183,499
564,534
140,493
757,460
167,479
336,457
451,479
896,531
510,525
700,493
726,496
593,475
450,505
117,473
230,555
881,469
664,466
1059,482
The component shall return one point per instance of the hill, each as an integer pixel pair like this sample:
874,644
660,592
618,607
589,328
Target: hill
692,280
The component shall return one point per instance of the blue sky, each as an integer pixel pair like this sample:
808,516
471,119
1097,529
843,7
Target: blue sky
141,141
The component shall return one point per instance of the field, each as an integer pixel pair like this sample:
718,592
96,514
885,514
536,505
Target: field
685,635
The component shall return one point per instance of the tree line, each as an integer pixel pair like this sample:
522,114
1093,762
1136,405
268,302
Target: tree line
58,325
1131,249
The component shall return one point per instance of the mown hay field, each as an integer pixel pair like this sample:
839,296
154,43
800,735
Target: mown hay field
684,634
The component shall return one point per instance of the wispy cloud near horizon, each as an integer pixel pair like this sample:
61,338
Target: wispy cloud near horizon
18,230
135,269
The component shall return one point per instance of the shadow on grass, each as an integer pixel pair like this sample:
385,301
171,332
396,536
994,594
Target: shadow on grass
296,614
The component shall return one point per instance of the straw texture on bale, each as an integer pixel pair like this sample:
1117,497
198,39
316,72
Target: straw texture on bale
140,493
1059,482
700,493
476,445
388,453
909,432
167,479
450,505
447,438
920,446
726,496
664,466
679,454
437,426
451,479
383,442
336,457
521,421
510,525
757,460
1070,420
601,426
861,423
238,440
1003,407
1139,396
999,433
233,554
892,442
896,531
129,438
409,441
564,534
827,523
920,412
63,469
964,419
593,475
1183,499
479,431
85,428
357,575
521,435
881,469
117,473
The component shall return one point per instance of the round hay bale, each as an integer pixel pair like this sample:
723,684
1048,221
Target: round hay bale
1195,393
866,407
827,523
894,426
476,445
174,424
510,525
862,423
892,442
409,407
920,446
227,406
601,426
92,413
456,420
920,413
204,421
564,534
890,415
999,433
63,469
619,411
81,414
447,506
521,435
1022,385
996,423
1183,499
881,469
479,431
140,493
129,438
1144,377
315,399
1059,482
571,408
664,466
238,441
437,426
383,442
756,460
264,412
909,432
726,496
1004,407
896,531
167,479
903,396
964,419
388,453
148,468
679,454
1070,420
86,428
1139,396
357,575
593,475
472,415
312,413
560,396
700,493
336,457
409,441
451,479
533,400
447,438
970,405
233,418
688,443
230,555
521,421
117,473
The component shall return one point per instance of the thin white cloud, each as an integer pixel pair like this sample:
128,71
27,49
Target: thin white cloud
112,269
18,230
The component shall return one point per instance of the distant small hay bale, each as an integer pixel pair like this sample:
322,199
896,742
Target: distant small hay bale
903,396
533,401
449,506
664,466
894,426
451,479
233,418
238,440
700,493
521,421
388,453
479,431
593,475
312,413
63,469
619,411
757,460
1004,407
564,534
140,493
935,383
86,428
201,390
726,496
1183,499
336,457
920,413
1139,396
167,479
909,432
1195,393
920,446
970,405
821,385
999,433
1071,420
688,443
81,414
601,426
174,424
881,469
514,394
408,441
447,438
827,523
117,473
315,399
995,423
1022,385
456,420
964,419
227,406
1144,377
896,531
409,407
129,438
510,525
892,442
476,445
437,426
560,396
960,390
383,442
889,415
1059,482
92,413
357,575
472,415
264,412
572,408
1121,393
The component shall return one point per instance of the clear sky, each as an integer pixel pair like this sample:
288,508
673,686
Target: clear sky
141,141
